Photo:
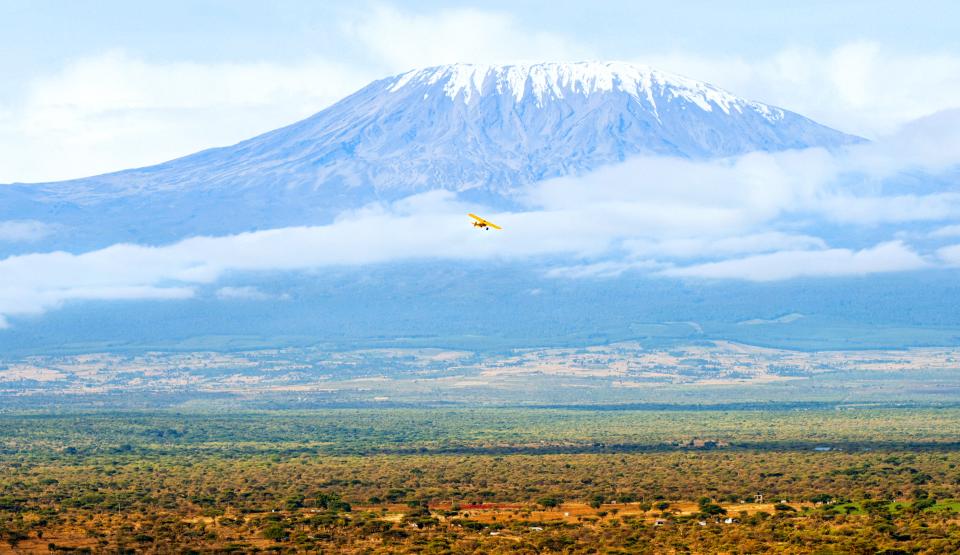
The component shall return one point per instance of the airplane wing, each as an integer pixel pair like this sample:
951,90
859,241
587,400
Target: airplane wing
481,220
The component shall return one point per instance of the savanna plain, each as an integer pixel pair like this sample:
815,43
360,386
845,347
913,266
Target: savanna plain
805,478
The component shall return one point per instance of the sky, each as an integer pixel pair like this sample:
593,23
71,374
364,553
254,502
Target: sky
92,87
96,86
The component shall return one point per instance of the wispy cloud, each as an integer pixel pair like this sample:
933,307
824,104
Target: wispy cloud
246,293
946,231
868,210
716,247
950,255
24,231
887,257
18,299
605,269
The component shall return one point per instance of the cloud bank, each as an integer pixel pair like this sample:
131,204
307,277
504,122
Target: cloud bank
757,217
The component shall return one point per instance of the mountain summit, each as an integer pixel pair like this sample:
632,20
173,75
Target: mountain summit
550,82
479,129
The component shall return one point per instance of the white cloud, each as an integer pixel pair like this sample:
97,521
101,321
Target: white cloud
114,111
246,293
663,193
404,40
848,208
20,231
731,196
24,299
606,269
887,257
946,231
859,87
430,226
715,247
930,143
950,255
434,226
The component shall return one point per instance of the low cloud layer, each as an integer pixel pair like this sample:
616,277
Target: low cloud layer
757,217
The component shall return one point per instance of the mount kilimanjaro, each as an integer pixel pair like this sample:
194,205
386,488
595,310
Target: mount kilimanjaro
480,130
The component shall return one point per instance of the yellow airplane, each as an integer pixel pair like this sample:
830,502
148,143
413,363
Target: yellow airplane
483,224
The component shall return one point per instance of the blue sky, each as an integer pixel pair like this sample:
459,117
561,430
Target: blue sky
106,85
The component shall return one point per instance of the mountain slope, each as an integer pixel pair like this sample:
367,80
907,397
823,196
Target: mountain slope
479,129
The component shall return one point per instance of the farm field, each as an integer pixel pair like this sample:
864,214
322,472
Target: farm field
481,480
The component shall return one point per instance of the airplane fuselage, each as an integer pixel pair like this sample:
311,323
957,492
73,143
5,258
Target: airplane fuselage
483,224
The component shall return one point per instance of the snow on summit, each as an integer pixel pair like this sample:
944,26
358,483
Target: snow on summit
557,80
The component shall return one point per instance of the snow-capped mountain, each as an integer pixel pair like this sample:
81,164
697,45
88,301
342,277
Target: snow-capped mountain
476,128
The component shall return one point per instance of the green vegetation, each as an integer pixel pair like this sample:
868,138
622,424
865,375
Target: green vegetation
482,480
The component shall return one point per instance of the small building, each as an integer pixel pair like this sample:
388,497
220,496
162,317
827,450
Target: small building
659,522
758,498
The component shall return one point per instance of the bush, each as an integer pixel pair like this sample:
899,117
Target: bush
550,502
276,532
712,509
